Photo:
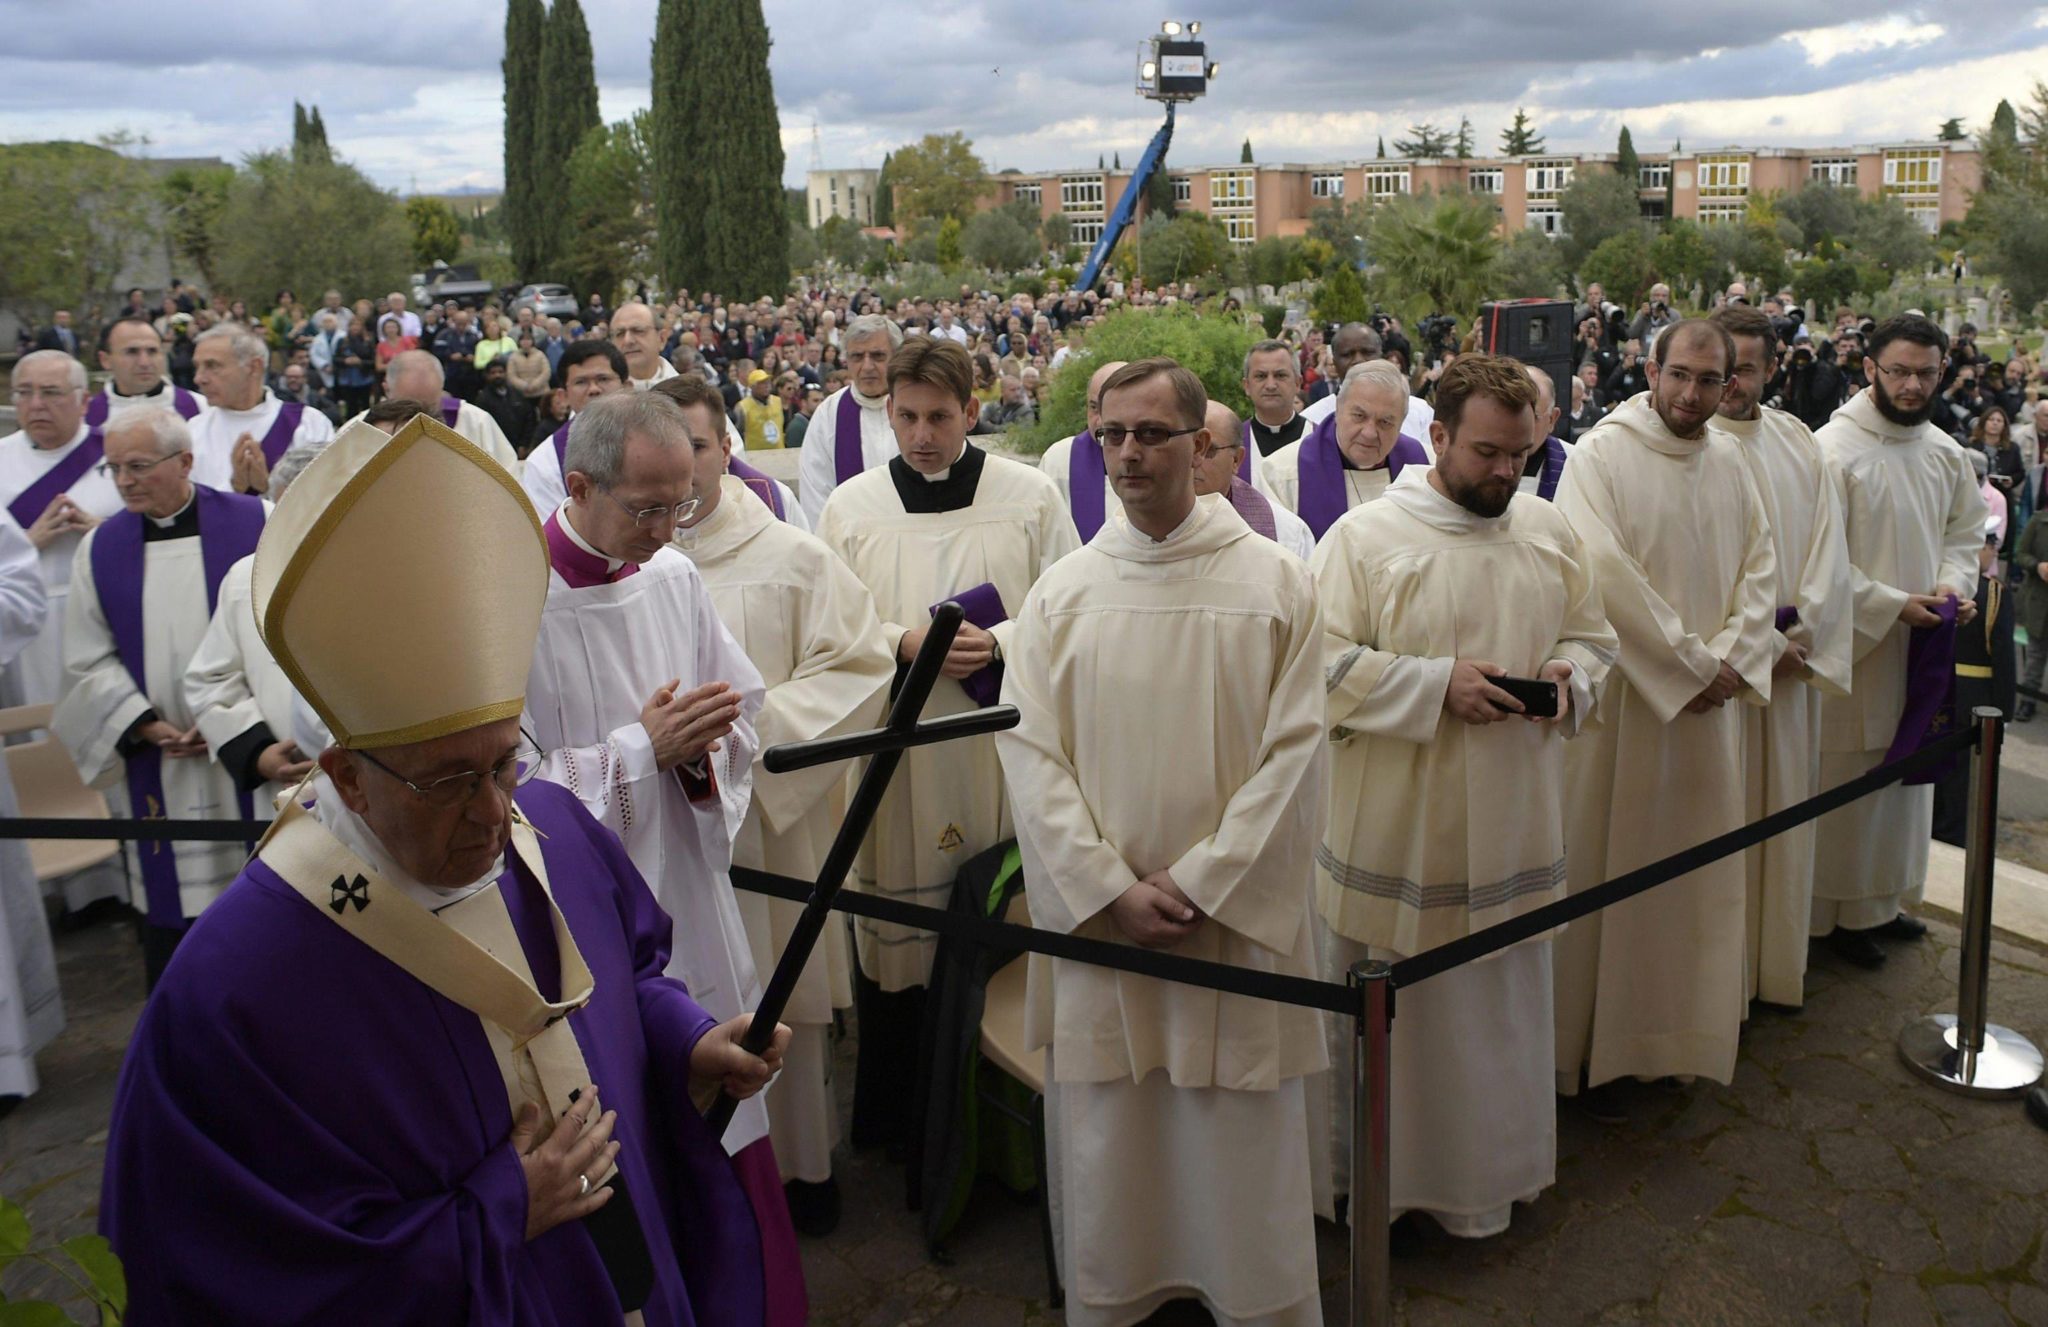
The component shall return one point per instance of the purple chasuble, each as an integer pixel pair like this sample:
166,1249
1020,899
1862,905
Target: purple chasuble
848,458
983,606
187,405
229,526
1930,691
1554,457
353,1134
278,440
29,504
761,485
451,410
1320,466
576,564
1253,506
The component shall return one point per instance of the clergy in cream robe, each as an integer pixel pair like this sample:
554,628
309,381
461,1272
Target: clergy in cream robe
1172,719
1349,457
1680,546
1914,520
1076,461
31,478
31,1010
849,432
132,354
1781,742
1416,414
809,626
276,425
1440,827
146,583
1221,470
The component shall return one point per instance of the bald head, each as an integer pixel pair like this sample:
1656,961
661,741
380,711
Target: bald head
1095,381
1214,468
415,375
1546,401
634,333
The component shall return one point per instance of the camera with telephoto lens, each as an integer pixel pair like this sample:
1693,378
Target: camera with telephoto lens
1438,333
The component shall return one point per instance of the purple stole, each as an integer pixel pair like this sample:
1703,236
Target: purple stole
1930,691
1086,474
451,410
33,501
762,486
983,606
229,526
278,440
182,401
560,442
1253,506
576,565
848,459
1554,456
1320,465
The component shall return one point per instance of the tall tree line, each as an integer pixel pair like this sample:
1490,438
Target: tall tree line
550,105
525,29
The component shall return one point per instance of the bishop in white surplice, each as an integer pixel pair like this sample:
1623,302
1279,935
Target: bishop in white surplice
1447,809
1167,778
1781,741
1914,519
1680,546
809,626
31,1009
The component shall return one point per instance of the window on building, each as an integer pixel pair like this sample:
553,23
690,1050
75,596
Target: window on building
1925,211
1839,171
1086,232
1183,189
1546,219
1722,212
1655,175
1081,195
1033,194
1910,171
1724,175
1326,184
1385,181
1548,179
817,211
1242,230
1232,189
1487,180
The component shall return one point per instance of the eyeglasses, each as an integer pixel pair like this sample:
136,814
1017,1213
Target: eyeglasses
651,518
1148,435
1895,374
1708,382
45,393
133,469
456,790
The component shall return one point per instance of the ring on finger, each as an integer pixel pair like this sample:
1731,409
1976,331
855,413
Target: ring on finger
583,1184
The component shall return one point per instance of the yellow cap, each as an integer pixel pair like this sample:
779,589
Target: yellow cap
400,583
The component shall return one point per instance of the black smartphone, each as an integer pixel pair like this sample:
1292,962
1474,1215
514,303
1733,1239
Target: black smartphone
1539,698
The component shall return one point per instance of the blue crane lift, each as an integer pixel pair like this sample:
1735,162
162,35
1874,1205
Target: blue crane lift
1127,206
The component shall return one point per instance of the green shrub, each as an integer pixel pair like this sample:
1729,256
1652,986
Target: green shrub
1213,345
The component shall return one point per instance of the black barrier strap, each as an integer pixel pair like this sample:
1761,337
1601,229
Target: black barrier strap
1275,986
1513,931
145,831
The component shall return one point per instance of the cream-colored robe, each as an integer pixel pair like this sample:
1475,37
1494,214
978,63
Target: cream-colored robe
1680,546
809,627
1914,519
1279,477
1439,828
1781,742
946,802
1172,719
102,703
35,676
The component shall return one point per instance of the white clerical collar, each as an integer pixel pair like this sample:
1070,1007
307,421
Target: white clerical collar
162,388
940,476
867,402
663,371
166,522
356,835
611,564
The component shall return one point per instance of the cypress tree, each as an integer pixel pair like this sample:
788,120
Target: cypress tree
568,79
746,224
1245,156
298,131
885,194
678,165
1382,153
1626,164
525,30
316,135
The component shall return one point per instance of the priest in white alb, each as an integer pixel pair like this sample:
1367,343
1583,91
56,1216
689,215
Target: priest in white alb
1680,545
1076,464
145,585
132,354
644,706
942,521
245,427
1220,470
849,431
1351,456
1447,798
1913,517
1167,777
1813,634
31,1008
809,626
416,375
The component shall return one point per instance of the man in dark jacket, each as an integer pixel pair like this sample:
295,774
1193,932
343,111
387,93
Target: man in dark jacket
512,410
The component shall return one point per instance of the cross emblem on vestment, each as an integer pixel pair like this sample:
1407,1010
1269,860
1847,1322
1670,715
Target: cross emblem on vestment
345,892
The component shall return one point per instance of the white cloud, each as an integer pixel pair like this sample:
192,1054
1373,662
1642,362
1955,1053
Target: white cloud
1831,43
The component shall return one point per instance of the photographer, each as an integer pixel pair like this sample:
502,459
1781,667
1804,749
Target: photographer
1849,362
1963,400
1653,316
1808,384
1627,378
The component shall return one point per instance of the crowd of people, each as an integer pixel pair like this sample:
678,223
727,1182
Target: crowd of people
1413,648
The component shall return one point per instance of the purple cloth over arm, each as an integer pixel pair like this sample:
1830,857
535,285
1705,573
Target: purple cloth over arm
983,606
33,501
1930,690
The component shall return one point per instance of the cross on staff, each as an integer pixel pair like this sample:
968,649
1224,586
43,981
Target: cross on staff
900,732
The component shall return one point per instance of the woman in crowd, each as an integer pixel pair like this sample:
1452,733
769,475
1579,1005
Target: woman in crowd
494,342
528,370
393,344
355,367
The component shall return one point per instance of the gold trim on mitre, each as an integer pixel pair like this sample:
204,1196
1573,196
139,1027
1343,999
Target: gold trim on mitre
399,584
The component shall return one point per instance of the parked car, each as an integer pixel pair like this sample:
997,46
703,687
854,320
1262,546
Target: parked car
547,300
459,283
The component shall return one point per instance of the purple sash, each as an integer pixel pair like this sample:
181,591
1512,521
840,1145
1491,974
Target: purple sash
451,410
229,526
29,505
579,567
762,486
182,401
1253,506
848,459
983,606
1930,691
1320,467
1554,456
279,440
1086,475
560,442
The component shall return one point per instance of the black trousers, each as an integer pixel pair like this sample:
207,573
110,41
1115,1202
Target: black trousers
890,1026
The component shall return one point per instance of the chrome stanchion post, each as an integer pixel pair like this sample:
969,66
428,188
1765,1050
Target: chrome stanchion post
1372,1272
1961,1051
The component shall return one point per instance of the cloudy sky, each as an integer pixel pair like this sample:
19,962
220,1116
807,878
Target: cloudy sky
412,92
